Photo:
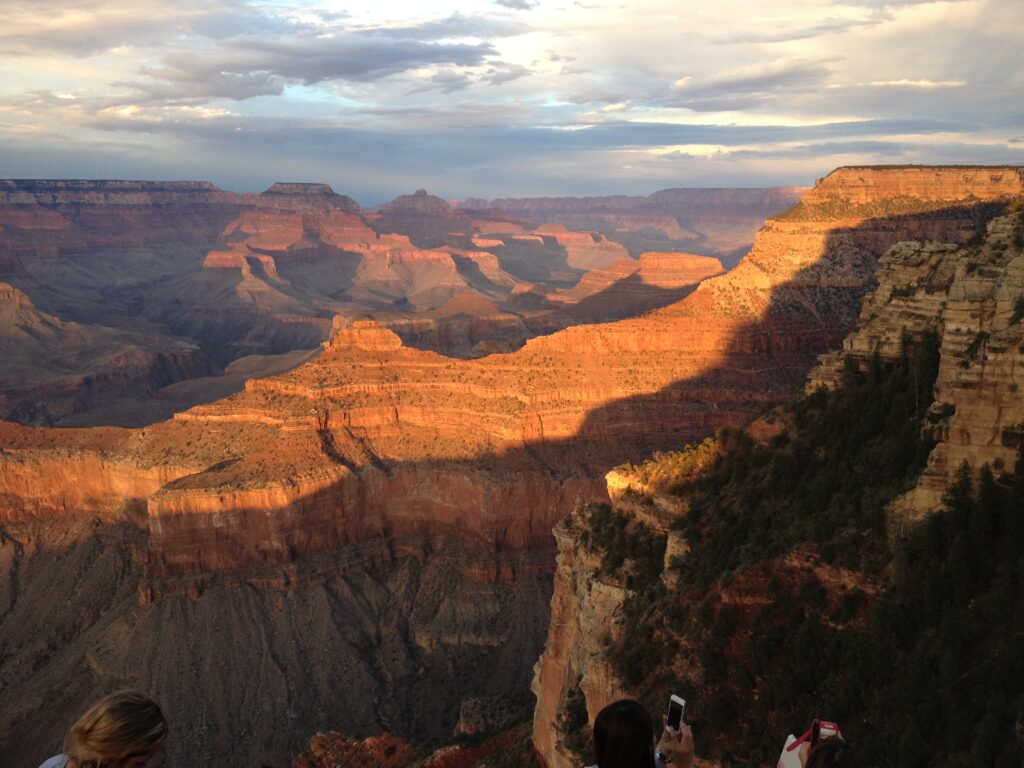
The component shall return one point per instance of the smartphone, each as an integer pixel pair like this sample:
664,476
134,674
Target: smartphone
676,708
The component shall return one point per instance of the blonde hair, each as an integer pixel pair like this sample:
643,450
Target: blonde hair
122,725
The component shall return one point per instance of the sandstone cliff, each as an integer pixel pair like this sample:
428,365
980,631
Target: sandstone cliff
971,298
394,505
953,298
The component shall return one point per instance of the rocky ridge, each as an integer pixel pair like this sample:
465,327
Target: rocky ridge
383,482
955,296
715,222
971,299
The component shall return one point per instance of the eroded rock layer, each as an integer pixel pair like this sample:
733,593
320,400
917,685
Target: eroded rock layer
966,295
381,515
971,300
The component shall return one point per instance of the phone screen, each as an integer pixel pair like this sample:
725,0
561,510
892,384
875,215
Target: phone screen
675,712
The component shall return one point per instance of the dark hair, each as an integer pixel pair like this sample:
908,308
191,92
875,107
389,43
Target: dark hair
624,736
832,753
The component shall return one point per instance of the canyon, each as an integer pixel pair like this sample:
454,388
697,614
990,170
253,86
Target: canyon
715,222
184,282
962,301
378,519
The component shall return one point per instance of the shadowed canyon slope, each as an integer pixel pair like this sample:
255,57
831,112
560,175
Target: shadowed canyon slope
735,594
378,519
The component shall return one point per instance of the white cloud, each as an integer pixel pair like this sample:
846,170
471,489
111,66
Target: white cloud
482,93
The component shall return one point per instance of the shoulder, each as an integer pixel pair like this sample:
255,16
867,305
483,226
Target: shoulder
57,761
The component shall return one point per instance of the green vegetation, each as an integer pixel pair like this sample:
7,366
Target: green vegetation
628,549
668,470
825,480
942,665
1018,310
573,734
792,605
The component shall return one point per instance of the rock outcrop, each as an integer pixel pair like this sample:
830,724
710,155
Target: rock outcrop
717,222
970,298
964,293
382,514
53,369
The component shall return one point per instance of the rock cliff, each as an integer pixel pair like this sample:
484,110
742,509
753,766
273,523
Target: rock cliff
952,298
716,222
971,299
382,514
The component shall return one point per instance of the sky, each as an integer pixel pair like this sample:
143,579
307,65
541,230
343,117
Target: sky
502,98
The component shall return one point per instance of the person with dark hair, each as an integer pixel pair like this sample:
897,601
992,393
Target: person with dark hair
624,738
833,752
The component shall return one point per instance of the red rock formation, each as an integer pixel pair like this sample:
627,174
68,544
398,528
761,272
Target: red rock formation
713,221
970,298
808,263
586,250
53,368
659,270
377,472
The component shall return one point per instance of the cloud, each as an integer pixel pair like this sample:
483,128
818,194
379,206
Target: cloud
831,26
176,87
928,84
456,26
447,81
560,99
505,73
259,65
749,87
81,28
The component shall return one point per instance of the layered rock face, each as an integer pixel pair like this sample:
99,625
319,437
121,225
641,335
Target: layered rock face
632,286
382,514
54,368
970,299
583,612
717,222
247,276
803,280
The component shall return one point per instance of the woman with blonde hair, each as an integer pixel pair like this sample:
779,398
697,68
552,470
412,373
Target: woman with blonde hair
122,730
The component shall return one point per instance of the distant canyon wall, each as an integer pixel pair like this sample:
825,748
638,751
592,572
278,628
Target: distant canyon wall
382,514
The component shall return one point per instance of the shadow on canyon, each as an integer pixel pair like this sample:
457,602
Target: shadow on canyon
377,626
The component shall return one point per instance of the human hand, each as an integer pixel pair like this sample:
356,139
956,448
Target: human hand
803,752
677,745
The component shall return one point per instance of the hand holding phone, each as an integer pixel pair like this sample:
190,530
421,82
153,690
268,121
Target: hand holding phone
676,709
